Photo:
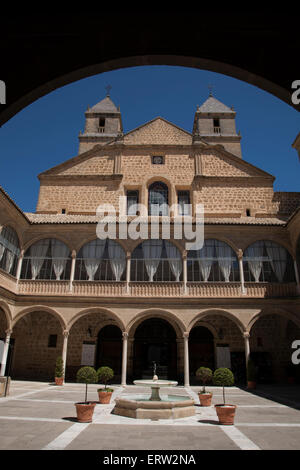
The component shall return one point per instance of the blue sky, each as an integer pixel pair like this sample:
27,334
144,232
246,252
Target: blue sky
46,133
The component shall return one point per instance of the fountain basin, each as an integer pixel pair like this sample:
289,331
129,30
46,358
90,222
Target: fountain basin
173,407
155,385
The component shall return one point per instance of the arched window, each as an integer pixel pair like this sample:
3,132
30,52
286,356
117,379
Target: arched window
266,261
156,261
215,262
47,259
9,250
101,260
158,199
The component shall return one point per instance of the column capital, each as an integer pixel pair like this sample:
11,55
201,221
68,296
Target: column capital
246,334
66,333
73,254
125,334
8,332
184,255
240,254
186,335
128,255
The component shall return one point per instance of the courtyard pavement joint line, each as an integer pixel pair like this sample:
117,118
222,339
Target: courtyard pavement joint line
243,442
64,439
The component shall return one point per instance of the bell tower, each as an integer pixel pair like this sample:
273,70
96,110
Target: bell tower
214,123
103,123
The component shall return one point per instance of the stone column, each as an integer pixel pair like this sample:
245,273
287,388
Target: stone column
73,255
5,352
19,267
297,275
186,359
247,346
64,350
184,269
124,358
240,258
128,267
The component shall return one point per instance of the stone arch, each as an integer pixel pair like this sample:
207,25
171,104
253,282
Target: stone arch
46,236
7,313
174,321
217,311
276,311
40,308
14,226
84,328
227,348
252,74
272,333
42,328
298,255
94,310
282,243
92,238
174,242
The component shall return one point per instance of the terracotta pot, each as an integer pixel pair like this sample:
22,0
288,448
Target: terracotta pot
59,380
205,399
85,412
226,413
251,384
104,397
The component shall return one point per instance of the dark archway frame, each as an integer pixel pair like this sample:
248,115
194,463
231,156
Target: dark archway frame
42,53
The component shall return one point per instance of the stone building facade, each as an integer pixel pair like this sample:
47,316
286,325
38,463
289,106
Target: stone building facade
129,302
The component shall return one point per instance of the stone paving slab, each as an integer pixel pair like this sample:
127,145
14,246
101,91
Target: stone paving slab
28,435
273,437
267,415
156,437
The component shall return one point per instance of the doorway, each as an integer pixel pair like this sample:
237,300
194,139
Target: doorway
155,342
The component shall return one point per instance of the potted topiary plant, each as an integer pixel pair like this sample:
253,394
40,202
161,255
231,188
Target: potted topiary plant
204,374
224,377
104,375
251,374
59,371
85,410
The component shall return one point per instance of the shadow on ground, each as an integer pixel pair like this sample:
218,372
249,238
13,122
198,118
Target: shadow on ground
283,394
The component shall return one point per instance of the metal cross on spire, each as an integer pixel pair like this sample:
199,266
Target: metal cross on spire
210,87
108,88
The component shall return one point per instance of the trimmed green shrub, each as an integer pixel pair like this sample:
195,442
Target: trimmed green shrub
104,375
223,377
59,367
87,375
204,374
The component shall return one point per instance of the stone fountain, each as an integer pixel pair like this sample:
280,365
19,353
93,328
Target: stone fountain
155,407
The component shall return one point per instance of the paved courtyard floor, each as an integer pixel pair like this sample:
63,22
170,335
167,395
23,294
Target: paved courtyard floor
42,416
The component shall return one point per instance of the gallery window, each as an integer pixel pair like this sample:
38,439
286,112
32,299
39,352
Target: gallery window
156,261
101,260
9,250
184,203
47,259
266,261
215,262
158,199
132,201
